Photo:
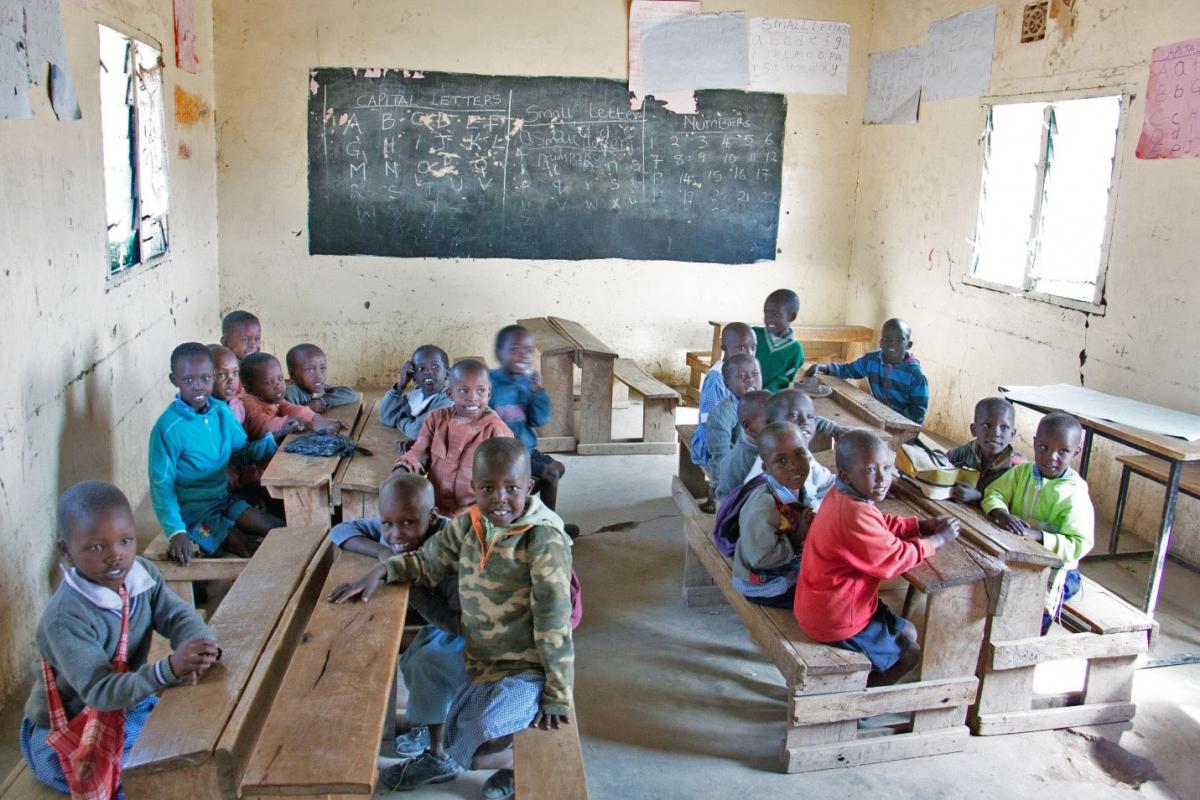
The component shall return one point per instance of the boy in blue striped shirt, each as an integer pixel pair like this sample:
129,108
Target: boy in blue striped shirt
892,371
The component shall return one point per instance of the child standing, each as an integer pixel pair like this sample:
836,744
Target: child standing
991,452
736,338
1048,501
778,352
191,445
445,447
94,640
241,333
893,373
266,409
852,546
307,368
742,375
513,562
405,411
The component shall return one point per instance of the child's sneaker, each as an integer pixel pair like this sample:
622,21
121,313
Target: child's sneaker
420,771
412,743
501,786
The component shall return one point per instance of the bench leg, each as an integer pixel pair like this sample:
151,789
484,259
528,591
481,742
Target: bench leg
1115,537
1110,680
595,411
558,376
699,590
658,419
307,506
955,619
1162,544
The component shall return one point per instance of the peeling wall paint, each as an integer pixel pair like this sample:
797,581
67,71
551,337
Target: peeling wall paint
86,359
653,312
915,214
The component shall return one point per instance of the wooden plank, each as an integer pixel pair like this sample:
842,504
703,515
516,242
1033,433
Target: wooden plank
295,470
867,702
628,372
808,734
1043,719
549,340
595,409
874,750
699,589
321,735
188,723
658,420
365,472
581,337
21,785
556,444
1097,609
626,448
202,569
955,619
369,412
1110,680
548,765
348,414
304,506
691,474
1038,649
1158,470
851,396
847,417
1011,690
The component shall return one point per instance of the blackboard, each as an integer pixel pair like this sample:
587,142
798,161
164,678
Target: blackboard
417,164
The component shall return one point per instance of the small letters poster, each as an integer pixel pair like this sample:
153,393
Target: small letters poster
1171,128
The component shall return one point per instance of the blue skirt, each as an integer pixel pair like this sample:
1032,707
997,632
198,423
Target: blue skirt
879,640
208,522
43,760
485,711
433,671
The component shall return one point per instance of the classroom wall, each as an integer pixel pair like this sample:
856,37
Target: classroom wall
86,360
651,311
915,212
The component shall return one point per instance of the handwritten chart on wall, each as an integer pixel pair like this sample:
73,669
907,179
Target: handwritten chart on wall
428,164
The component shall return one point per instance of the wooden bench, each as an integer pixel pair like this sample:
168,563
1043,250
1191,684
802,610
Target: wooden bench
1158,471
548,765
558,377
827,686
658,415
275,625
691,474
180,578
21,785
356,484
304,483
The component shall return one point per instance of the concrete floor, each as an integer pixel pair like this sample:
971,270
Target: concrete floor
676,702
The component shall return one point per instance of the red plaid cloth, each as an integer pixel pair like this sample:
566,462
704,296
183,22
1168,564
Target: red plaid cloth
90,745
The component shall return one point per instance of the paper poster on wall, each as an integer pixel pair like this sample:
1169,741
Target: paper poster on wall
185,37
1171,127
697,51
958,56
644,14
799,55
894,86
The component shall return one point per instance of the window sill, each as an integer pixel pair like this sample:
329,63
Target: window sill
1095,309
115,280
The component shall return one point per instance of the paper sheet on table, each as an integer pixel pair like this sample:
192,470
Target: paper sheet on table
1098,405
697,51
894,86
185,37
799,55
958,56
14,67
1169,128
644,14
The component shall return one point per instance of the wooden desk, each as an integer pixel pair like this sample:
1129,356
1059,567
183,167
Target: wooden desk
866,407
596,360
357,482
842,342
558,378
1176,452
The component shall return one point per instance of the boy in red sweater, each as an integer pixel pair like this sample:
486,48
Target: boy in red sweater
851,548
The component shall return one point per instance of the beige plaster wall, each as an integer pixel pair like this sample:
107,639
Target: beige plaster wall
86,360
650,311
915,212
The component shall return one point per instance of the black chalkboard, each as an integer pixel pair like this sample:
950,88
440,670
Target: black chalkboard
414,164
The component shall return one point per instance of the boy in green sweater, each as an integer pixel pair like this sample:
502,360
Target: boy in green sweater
778,353
1048,501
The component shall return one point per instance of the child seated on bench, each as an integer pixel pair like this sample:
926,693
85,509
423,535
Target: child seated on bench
307,368
752,418
110,602
742,375
227,382
893,373
796,407
405,411
191,446
772,517
241,332
991,452
445,447
851,548
516,612
778,352
736,338
267,411
1048,501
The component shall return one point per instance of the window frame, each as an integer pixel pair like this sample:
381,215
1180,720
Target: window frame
113,279
1098,305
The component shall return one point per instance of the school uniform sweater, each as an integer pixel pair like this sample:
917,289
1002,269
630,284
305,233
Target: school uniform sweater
405,411
712,391
189,452
722,431
334,396
514,585
263,417
764,563
522,409
901,387
1059,507
851,548
78,635
820,480
968,455
779,358
444,450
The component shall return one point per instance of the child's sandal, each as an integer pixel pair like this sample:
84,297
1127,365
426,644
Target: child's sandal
501,786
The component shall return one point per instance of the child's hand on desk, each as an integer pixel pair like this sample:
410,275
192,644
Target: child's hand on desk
548,721
193,659
317,404
407,370
939,530
321,424
290,425
362,588
813,370
965,494
180,548
1009,522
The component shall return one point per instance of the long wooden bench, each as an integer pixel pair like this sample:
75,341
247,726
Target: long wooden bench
1159,471
548,765
180,577
827,686
691,474
558,377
